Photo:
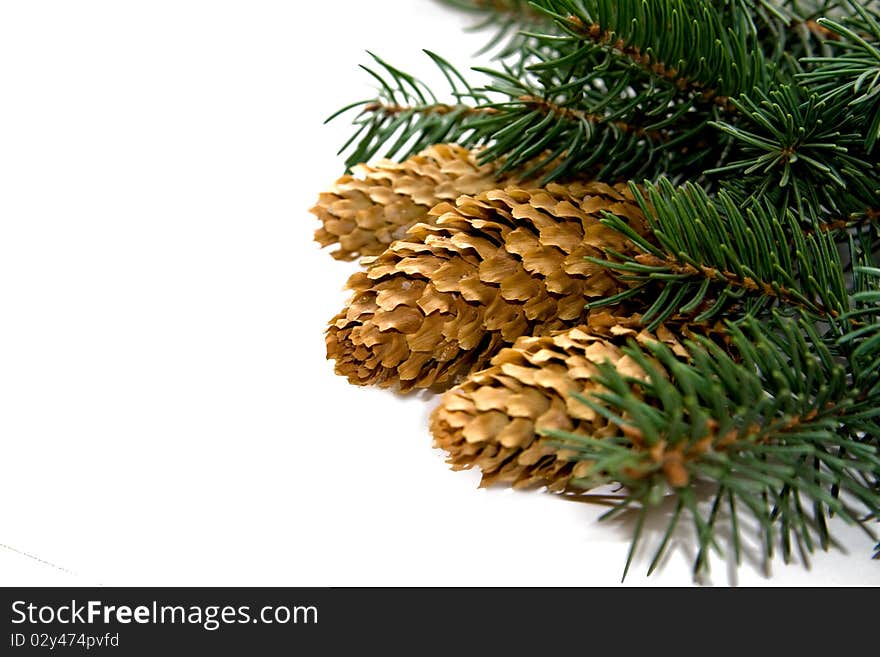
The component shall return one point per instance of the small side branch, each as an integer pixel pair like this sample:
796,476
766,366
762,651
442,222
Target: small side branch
547,107
390,109
816,29
533,102
507,8
603,38
869,216
734,280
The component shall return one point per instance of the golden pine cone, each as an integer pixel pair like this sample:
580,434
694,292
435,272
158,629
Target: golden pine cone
492,420
441,302
367,210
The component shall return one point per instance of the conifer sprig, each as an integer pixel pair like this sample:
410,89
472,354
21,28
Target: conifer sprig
519,122
709,254
800,153
761,422
706,48
509,23
852,73
578,100
405,116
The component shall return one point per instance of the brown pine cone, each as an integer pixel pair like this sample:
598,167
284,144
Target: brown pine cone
367,210
492,420
441,302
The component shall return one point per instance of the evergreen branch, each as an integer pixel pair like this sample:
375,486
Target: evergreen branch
578,106
525,129
765,425
862,344
730,279
607,39
573,141
853,72
800,153
549,108
786,30
508,20
816,28
867,216
543,106
517,9
706,254
712,51
407,115
392,110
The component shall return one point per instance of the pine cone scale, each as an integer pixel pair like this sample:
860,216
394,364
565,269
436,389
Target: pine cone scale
366,210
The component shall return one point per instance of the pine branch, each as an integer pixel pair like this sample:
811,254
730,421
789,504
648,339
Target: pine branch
857,220
406,117
708,255
519,127
853,72
607,39
862,344
519,10
542,105
393,110
816,28
765,426
800,153
729,279
711,53
508,21
547,107
608,106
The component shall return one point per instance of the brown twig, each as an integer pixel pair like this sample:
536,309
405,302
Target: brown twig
436,108
816,29
870,215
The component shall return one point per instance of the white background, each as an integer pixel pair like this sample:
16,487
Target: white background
167,416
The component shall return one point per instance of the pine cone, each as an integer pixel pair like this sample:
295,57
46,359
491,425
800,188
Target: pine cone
491,420
369,209
441,302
